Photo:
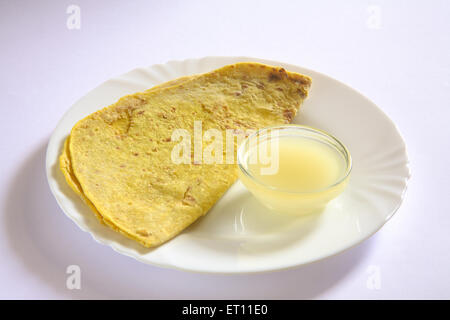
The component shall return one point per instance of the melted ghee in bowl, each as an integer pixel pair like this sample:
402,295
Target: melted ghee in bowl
298,170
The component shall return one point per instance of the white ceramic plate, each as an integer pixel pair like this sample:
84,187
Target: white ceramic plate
238,235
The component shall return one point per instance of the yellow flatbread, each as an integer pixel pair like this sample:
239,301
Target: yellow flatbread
119,158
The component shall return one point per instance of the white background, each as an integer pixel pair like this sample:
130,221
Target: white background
395,52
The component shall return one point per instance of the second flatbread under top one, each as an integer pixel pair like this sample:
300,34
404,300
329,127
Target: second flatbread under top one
120,157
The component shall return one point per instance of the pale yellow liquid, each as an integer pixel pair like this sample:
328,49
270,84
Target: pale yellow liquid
309,175
303,165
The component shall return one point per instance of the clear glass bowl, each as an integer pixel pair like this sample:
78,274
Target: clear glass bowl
290,200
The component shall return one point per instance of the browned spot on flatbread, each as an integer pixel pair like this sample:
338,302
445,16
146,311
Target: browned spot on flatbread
288,115
301,93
